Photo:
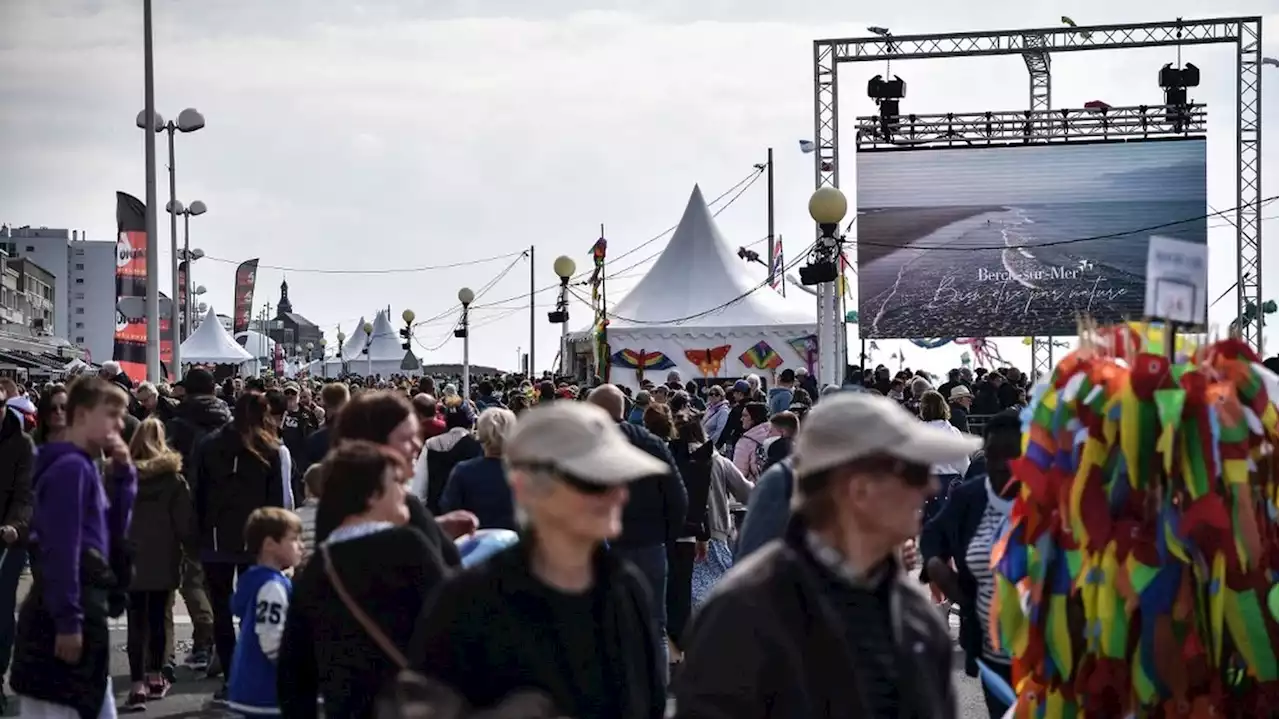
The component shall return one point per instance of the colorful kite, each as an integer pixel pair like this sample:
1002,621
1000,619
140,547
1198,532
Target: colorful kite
708,360
1138,574
641,361
761,356
807,348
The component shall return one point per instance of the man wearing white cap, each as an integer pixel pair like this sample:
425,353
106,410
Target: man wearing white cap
833,629
557,613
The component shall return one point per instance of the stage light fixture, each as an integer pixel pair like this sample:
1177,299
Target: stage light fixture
887,94
1175,82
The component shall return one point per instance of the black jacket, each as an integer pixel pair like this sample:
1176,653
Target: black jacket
192,419
769,643
695,468
161,526
732,425
947,537
325,651
960,418
493,630
17,453
230,482
655,512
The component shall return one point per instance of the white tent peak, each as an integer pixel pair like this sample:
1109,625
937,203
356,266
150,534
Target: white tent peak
699,271
354,346
211,344
386,341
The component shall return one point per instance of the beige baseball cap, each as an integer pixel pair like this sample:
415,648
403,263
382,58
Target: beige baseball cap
849,426
581,440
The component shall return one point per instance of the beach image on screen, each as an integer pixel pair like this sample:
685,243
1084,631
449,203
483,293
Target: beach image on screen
1021,240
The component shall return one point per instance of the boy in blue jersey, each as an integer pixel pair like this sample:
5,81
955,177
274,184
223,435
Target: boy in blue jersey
261,602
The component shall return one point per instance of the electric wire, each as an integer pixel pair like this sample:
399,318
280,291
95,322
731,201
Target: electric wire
382,271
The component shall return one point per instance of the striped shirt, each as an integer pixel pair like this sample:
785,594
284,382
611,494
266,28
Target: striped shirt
978,557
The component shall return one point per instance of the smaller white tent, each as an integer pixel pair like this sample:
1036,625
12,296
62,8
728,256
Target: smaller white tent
354,346
211,344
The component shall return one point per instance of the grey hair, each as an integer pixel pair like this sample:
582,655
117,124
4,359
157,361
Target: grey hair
754,381
536,481
146,389
111,366
919,386
492,428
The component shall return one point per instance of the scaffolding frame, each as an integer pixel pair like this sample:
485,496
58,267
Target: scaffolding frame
1035,46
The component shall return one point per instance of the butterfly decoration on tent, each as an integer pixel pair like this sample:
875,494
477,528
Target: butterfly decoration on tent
708,360
1137,573
807,348
641,361
761,356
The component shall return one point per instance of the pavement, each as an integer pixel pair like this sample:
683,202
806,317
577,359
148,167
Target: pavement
190,695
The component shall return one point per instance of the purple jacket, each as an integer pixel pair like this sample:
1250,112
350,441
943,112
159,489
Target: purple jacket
71,513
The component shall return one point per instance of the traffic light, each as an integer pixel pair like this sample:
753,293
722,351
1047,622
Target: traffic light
406,334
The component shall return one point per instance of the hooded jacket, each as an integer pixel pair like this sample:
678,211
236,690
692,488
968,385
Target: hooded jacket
193,419
161,525
17,454
439,456
749,450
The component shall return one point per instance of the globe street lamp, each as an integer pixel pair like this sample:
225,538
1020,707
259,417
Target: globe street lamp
827,207
466,297
564,268
324,361
342,352
368,343
189,120
188,255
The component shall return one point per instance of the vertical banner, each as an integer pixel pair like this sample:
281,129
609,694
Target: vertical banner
277,363
246,276
183,310
131,291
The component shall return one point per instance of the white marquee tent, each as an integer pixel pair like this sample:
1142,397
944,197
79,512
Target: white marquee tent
700,296
211,344
385,353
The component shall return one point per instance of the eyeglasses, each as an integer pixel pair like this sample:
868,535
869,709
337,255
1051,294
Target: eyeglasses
912,474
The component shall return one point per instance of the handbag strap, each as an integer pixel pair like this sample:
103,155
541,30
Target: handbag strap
371,627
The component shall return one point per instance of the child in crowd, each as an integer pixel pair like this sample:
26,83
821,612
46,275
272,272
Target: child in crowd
261,601
313,480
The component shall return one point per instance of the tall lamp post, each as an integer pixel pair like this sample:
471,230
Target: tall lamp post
341,352
189,120
466,297
324,361
368,355
186,254
564,268
827,207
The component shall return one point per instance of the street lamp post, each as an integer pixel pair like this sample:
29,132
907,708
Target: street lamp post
189,120
827,207
466,297
324,361
368,346
186,254
342,355
564,268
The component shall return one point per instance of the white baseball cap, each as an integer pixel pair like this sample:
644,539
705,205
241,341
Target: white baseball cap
849,426
580,440
960,391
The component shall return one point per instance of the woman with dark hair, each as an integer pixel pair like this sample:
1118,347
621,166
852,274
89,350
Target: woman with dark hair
387,418
371,567
749,451
51,415
657,419
235,470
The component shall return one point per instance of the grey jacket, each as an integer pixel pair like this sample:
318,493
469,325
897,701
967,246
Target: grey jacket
726,481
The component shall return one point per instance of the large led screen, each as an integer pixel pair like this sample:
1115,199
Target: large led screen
1021,240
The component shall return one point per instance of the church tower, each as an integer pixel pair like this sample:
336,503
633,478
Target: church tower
285,307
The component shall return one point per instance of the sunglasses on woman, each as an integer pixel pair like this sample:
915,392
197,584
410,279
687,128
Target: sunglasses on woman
577,484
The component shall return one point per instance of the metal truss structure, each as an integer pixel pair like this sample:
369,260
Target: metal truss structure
1040,124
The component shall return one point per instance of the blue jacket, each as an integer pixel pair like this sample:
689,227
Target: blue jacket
947,537
768,511
654,513
261,602
480,486
780,400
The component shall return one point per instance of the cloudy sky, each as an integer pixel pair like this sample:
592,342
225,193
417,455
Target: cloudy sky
401,134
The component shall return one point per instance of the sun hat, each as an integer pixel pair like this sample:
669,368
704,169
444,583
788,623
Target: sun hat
580,440
849,426
959,391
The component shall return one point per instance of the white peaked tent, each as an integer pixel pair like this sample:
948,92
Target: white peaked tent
385,353
354,347
211,344
700,296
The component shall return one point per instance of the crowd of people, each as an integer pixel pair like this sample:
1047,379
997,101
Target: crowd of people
691,549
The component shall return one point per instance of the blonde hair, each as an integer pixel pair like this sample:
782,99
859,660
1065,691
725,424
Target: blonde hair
933,406
146,389
492,428
149,442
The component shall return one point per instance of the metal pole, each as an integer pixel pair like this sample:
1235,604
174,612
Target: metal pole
153,246
532,313
175,327
564,347
186,255
772,241
466,354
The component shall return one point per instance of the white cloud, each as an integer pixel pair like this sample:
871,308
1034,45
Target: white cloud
397,134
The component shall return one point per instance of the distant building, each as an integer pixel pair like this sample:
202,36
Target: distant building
84,286
36,287
293,330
